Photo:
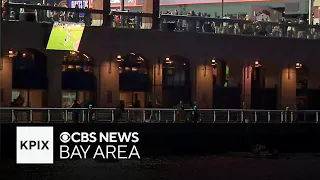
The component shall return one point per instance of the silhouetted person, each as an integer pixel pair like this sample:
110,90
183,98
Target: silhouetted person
136,114
119,111
76,14
75,113
91,117
180,112
195,113
158,106
87,18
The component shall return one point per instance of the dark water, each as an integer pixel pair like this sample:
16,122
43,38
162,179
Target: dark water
287,167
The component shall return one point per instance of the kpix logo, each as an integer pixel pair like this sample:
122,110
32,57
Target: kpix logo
34,145
29,145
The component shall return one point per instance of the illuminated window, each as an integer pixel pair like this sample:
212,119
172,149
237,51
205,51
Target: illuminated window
175,74
75,61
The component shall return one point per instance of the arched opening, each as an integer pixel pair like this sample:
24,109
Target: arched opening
308,95
176,81
78,80
135,80
262,97
226,90
304,95
29,78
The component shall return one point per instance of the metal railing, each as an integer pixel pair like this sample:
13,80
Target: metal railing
91,17
145,115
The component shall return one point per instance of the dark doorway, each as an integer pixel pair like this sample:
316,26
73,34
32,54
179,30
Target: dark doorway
135,79
226,93
78,80
176,81
29,70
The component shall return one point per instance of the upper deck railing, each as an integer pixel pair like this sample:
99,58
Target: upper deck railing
91,17
160,115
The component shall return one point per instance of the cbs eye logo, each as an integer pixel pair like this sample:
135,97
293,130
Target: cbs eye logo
65,137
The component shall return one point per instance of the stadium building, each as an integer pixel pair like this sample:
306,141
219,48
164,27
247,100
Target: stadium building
113,64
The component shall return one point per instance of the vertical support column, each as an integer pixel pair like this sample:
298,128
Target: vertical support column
157,81
247,85
109,95
287,87
54,73
204,85
150,6
100,19
5,81
106,13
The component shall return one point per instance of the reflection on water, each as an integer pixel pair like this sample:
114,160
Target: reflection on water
190,167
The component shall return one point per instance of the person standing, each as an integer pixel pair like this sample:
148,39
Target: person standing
180,112
75,113
157,112
119,110
195,113
91,114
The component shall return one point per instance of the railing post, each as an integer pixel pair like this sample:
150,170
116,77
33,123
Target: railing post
317,117
49,116
255,117
281,117
174,116
159,116
214,116
112,116
291,117
269,118
88,116
228,116
128,115
66,116
83,115
30,116
144,116
241,118
12,116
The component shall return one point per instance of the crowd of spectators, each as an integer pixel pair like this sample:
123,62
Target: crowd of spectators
46,15
181,24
